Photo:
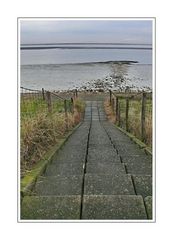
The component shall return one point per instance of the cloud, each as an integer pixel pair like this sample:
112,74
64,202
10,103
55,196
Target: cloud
35,31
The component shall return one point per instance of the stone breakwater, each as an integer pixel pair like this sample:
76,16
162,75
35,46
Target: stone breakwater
118,84
118,80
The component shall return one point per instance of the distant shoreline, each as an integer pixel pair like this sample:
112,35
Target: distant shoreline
78,47
128,62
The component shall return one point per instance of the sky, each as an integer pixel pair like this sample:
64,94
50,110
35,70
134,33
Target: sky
85,31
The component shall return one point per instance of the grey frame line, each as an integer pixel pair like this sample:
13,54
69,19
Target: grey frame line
154,120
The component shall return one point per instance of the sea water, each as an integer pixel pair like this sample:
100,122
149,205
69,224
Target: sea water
64,67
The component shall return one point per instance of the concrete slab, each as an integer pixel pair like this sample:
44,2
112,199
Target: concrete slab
59,185
102,151
105,168
71,154
99,140
136,159
65,169
50,207
148,204
143,168
108,185
130,151
102,155
126,207
143,185
133,154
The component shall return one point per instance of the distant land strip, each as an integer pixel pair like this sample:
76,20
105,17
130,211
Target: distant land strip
89,63
75,47
94,43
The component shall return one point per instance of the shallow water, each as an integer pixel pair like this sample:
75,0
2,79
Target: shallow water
63,69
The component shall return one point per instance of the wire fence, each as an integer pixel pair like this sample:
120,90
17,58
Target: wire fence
133,112
34,102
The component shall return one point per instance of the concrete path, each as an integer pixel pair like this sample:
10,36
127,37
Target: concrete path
99,174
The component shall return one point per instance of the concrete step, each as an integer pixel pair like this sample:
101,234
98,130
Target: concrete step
126,155
148,204
120,207
130,151
51,207
98,151
59,185
143,184
65,169
136,159
108,185
105,168
102,154
140,168
70,154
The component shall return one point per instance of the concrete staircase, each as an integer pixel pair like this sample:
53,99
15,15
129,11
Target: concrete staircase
99,174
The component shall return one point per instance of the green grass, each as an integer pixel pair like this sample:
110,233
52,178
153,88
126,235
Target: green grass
32,107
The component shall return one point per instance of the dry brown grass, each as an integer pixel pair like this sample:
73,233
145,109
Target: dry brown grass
42,131
134,118
109,112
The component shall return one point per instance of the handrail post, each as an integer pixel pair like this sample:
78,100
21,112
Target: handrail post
143,108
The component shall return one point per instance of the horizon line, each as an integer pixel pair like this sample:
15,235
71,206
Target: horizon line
83,43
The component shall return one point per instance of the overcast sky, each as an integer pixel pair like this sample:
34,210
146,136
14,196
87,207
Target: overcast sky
109,31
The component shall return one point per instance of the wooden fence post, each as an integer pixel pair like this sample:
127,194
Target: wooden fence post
143,108
72,105
127,114
49,102
110,97
76,93
66,115
116,110
113,104
43,94
119,114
